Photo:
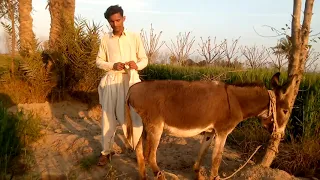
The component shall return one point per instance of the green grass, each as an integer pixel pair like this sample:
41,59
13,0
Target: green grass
87,162
228,75
16,132
4,63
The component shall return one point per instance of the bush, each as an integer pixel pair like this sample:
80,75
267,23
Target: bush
75,58
16,132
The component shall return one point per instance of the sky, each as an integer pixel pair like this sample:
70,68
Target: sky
228,19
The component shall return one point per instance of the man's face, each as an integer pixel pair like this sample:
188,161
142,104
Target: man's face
116,22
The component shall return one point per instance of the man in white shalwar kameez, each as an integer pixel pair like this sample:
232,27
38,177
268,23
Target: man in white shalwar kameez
121,55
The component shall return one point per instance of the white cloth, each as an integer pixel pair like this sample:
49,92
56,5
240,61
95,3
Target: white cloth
112,93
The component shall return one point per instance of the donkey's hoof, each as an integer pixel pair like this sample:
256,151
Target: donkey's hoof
160,176
196,168
215,178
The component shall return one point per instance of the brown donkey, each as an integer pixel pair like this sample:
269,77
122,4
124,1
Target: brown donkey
185,109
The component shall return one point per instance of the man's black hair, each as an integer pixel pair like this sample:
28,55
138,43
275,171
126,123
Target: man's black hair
113,10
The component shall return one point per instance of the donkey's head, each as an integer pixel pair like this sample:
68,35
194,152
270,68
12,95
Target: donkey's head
282,93
278,96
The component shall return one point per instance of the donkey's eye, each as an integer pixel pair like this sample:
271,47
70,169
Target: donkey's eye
285,111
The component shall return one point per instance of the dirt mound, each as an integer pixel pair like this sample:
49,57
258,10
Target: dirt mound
71,144
261,173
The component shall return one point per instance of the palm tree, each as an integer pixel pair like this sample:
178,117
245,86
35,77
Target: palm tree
283,47
8,11
27,37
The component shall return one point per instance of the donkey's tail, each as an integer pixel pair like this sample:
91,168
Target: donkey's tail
128,120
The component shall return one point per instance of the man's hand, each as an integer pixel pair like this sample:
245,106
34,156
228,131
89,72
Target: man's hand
118,66
132,65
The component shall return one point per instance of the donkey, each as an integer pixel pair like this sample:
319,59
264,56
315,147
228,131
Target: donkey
185,109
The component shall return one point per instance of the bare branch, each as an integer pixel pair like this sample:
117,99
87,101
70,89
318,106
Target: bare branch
312,58
278,32
151,44
255,57
211,51
230,52
181,49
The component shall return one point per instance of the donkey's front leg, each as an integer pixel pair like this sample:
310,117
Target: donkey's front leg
206,141
217,152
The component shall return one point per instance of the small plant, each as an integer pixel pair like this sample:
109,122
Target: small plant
87,162
16,132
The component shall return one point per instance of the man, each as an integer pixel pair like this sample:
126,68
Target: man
121,54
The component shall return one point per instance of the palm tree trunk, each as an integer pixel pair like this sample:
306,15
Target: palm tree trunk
11,10
68,11
55,9
27,41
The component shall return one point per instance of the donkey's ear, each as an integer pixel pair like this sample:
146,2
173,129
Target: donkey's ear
275,80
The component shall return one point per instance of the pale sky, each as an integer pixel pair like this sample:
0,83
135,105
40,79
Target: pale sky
228,19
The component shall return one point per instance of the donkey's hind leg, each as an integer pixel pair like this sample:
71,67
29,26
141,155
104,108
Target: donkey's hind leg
153,138
140,159
206,141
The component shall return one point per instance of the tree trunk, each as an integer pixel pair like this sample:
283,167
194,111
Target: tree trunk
297,60
27,38
55,9
11,10
62,15
68,12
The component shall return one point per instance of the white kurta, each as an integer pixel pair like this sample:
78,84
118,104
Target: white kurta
114,85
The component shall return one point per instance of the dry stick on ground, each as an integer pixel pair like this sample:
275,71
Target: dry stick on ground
151,44
255,57
211,51
181,50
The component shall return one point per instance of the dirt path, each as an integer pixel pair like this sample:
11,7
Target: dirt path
71,141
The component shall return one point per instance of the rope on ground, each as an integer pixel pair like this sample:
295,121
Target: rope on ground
243,164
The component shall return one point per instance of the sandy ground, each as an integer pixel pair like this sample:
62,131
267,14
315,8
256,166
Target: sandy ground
72,133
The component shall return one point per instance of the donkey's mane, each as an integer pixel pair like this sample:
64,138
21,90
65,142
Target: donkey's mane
236,83
247,84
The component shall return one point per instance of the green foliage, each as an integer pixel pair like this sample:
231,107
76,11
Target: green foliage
205,73
87,162
75,62
37,75
16,132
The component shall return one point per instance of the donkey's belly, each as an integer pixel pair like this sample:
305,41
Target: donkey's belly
174,131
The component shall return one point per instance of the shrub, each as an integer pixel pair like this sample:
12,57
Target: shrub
16,132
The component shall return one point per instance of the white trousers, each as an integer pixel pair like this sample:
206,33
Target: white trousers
112,91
